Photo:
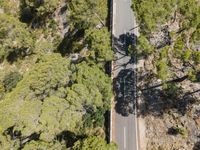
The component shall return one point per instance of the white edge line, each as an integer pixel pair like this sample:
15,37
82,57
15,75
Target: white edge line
113,32
124,137
136,32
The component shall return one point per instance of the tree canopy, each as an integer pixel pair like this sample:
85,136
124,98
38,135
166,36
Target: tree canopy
14,37
87,13
45,103
94,143
48,101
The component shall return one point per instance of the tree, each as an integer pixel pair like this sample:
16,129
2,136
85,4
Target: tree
27,107
52,98
15,38
190,10
99,44
87,13
41,145
94,119
7,143
10,7
95,82
48,75
37,10
152,14
94,143
10,80
2,90
143,46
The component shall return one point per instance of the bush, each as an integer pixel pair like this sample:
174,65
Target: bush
177,130
94,119
171,89
10,81
2,90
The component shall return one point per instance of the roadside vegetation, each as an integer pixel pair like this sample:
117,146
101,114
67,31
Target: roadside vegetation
48,101
171,31
169,44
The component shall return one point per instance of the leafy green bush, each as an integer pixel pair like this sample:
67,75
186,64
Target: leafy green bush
10,81
154,13
15,37
93,143
143,46
171,90
99,43
94,119
2,90
85,14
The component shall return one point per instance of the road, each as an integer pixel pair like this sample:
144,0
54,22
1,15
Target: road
124,122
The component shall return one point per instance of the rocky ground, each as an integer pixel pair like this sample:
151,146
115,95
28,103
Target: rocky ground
172,123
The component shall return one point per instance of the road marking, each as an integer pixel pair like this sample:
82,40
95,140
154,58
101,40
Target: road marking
124,137
114,17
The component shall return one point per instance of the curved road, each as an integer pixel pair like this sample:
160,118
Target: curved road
124,122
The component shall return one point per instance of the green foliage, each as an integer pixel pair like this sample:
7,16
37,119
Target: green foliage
10,7
44,46
47,118
94,119
162,69
44,104
186,56
52,97
162,65
191,75
191,11
182,131
41,145
87,13
10,80
171,90
196,57
96,83
6,143
179,46
195,38
143,46
154,13
43,7
93,143
57,116
42,81
2,90
49,74
99,41
14,37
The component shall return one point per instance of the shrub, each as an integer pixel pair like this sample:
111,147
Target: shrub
10,81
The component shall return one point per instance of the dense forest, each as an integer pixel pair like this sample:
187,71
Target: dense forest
54,90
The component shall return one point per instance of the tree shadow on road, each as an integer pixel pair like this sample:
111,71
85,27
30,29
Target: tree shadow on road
125,91
124,83
122,43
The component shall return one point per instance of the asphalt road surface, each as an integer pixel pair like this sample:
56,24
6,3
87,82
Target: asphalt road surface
124,125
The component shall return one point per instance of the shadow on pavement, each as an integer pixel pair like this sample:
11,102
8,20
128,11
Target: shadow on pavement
124,83
125,92
122,44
